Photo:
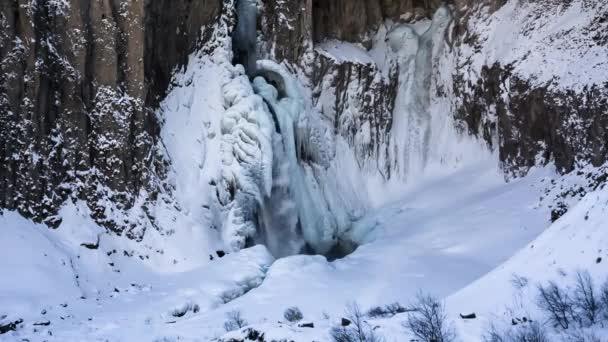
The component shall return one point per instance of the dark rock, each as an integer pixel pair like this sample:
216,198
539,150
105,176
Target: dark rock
535,121
469,316
254,335
220,254
91,245
345,322
558,212
11,326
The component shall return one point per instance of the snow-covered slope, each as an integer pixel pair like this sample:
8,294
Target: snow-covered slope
575,243
443,234
267,179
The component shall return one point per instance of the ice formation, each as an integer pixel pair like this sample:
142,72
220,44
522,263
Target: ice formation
276,182
276,177
279,182
411,130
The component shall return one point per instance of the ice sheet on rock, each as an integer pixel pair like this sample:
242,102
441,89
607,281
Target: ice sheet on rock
247,158
412,134
244,37
302,178
314,220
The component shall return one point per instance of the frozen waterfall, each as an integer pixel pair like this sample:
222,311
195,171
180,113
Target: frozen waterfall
278,183
411,129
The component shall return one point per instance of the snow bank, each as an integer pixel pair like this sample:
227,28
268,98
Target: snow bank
573,243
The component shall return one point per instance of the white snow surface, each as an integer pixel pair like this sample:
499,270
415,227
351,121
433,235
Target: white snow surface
455,229
443,234
527,35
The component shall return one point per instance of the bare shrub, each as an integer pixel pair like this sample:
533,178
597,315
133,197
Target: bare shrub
234,321
557,303
293,314
428,321
494,335
357,329
531,333
579,335
386,311
519,282
604,299
526,333
586,302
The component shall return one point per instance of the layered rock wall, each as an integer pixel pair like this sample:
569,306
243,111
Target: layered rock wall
78,84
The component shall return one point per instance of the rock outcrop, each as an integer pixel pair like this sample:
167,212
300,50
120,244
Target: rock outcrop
78,84
355,20
526,121
540,99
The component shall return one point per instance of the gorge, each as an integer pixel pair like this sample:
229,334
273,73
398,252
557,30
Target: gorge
179,170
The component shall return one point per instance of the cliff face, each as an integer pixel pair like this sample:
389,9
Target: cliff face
355,20
534,89
78,83
494,95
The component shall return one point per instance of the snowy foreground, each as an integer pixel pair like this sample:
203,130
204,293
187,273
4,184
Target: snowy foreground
442,237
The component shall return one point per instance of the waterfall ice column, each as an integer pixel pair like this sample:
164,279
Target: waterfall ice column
275,182
411,130
317,227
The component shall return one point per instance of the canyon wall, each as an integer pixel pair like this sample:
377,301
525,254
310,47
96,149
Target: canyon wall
79,83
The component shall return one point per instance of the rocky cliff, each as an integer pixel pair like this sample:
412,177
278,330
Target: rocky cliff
79,83
529,117
534,89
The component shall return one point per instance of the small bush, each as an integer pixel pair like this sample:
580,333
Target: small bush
579,335
494,335
293,314
604,299
586,302
527,333
519,282
386,311
427,321
234,321
358,330
557,303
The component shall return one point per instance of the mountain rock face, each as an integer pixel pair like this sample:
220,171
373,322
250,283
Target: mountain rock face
355,20
541,98
78,84
525,120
